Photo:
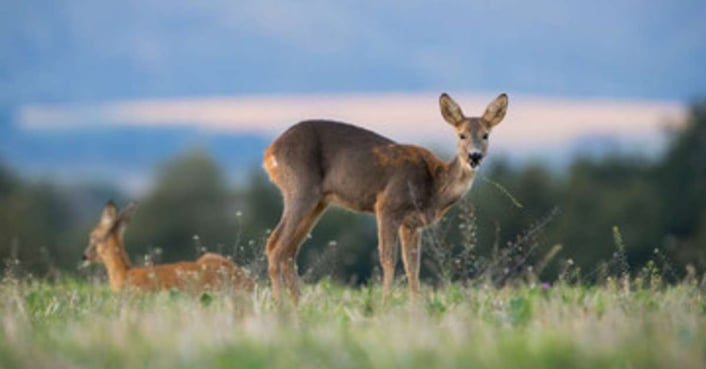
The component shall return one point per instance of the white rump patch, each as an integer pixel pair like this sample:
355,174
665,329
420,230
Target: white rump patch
272,162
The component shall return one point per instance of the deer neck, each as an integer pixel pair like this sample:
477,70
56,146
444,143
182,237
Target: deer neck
455,181
116,262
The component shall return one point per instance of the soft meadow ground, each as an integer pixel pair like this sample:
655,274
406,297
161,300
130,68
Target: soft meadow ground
83,325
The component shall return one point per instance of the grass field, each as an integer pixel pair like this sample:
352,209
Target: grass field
72,324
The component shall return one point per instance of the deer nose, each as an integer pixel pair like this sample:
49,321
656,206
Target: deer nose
475,158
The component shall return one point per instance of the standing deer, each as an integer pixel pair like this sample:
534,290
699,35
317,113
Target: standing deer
318,162
210,271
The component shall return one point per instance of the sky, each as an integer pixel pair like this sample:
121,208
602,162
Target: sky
86,50
576,71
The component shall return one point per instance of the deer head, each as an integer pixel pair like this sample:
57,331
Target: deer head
108,233
473,132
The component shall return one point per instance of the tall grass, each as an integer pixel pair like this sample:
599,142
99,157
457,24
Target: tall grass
72,324
486,312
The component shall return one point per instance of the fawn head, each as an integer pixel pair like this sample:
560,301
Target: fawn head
109,231
473,131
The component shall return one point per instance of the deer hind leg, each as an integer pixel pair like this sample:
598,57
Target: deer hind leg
295,239
273,262
299,215
411,253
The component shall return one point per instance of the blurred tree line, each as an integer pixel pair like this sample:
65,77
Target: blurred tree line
656,207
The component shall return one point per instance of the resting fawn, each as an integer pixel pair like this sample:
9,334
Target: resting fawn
210,272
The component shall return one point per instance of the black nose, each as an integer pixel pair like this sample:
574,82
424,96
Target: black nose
84,257
475,157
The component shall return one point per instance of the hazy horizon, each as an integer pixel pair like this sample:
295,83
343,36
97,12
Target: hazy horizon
406,117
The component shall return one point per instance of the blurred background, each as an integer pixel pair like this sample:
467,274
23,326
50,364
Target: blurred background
599,164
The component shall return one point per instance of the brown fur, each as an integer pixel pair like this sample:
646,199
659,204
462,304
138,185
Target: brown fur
210,272
317,163
397,155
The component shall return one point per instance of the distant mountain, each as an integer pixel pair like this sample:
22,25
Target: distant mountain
126,157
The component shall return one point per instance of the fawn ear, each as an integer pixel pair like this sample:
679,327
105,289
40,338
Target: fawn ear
495,112
110,214
123,218
450,110
127,213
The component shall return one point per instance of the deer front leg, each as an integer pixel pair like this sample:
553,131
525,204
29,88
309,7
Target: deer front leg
411,253
387,247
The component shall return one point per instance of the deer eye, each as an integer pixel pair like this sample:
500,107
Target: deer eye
462,136
485,136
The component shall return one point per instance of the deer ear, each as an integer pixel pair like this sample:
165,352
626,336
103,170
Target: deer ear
123,218
110,213
450,110
127,213
495,112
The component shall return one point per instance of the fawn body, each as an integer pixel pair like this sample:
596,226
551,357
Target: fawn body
210,271
316,163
